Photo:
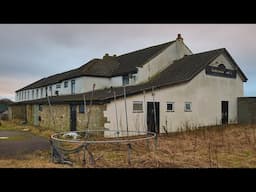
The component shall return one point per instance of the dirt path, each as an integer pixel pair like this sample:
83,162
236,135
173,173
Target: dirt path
19,143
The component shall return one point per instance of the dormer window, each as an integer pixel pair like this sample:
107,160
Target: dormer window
125,80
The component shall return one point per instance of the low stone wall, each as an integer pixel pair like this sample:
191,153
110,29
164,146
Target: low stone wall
58,118
96,118
17,112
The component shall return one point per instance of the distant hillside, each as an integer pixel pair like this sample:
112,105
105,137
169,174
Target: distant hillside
4,104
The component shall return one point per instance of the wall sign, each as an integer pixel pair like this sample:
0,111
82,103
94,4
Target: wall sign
220,71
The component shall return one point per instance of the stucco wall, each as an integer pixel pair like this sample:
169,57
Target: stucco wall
204,91
162,61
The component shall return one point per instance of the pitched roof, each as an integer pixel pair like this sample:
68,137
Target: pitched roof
181,71
109,66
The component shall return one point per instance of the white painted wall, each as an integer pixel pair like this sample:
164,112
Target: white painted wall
175,51
204,91
222,59
116,81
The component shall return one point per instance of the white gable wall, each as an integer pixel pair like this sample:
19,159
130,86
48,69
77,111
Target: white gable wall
222,59
204,91
162,61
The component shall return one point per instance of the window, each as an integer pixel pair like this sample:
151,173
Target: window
65,84
81,108
40,107
170,107
46,92
126,80
36,93
58,86
32,94
73,86
188,107
42,92
137,106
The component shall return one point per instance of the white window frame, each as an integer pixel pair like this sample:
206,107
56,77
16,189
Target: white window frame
73,86
58,85
170,102
188,110
65,84
137,102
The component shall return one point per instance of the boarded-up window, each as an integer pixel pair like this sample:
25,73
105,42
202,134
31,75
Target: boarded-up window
137,106
188,107
170,107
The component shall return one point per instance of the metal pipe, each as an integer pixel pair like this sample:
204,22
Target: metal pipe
84,108
145,117
89,113
154,106
50,107
126,111
116,114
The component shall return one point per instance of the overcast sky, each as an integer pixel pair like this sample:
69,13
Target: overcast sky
29,52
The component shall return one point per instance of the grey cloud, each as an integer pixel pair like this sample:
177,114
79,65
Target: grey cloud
32,51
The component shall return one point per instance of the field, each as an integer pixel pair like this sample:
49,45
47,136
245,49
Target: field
232,146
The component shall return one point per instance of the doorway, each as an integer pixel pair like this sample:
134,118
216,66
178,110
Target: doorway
153,116
224,112
73,117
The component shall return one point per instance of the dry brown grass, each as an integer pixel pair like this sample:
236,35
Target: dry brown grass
224,146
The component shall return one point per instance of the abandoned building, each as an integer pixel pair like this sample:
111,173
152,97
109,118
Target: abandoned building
167,87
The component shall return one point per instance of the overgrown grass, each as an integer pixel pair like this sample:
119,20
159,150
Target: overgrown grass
232,146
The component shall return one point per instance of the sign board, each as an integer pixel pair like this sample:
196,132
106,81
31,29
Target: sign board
220,71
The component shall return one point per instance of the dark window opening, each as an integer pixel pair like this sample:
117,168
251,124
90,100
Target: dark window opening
126,80
221,66
81,108
170,106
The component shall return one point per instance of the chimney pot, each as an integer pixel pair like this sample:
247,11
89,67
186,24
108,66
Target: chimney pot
179,37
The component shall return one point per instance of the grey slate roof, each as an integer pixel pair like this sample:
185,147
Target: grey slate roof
180,71
109,66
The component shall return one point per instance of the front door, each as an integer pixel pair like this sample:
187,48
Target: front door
153,116
72,117
224,112
36,116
